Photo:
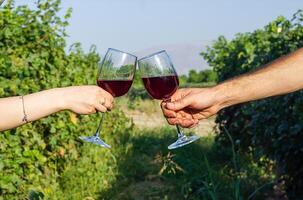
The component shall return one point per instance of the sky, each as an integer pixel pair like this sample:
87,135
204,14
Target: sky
184,27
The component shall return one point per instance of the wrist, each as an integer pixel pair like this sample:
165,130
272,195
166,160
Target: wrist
223,95
60,98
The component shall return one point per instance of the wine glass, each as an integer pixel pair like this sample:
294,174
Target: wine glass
161,81
115,75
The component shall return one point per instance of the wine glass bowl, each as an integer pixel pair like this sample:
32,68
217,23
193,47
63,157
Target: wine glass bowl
116,88
168,84
161,82
115,75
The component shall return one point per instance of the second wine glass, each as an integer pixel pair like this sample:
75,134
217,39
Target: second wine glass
161,81
115,75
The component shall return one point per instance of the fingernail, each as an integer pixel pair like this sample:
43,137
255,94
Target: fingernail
169,105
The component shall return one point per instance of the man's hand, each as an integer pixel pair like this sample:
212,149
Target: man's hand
188,106
282,76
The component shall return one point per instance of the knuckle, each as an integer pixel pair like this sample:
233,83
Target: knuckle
183,125
111,99
92,104
111,106
108,106
100,109
92,101
171,114
180,102
103,109
165,113
179,115
170,121
91,110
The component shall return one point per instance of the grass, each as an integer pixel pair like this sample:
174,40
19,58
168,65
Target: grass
141,167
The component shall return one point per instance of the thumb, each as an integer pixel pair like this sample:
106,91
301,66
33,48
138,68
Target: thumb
179,104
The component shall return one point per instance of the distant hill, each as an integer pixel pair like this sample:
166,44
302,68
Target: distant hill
184,56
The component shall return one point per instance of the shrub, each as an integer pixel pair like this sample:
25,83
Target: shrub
274,126
204,76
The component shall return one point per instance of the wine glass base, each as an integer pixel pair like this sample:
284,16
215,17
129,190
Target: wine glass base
95,140
182,141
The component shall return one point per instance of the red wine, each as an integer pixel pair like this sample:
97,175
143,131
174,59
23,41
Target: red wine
115,87
161,87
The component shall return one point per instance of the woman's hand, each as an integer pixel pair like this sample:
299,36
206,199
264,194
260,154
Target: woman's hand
79,99
86,99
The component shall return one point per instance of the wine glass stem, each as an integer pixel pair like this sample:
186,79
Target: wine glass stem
179,132
100,125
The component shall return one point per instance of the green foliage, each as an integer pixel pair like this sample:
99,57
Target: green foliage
33,58
272,127
208,76
194,77
182,79
204,76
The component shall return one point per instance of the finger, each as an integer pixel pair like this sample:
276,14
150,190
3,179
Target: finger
108,103
163,105
100,108
169,113
91,110
172,121
186,123
178,94
182,114
105,100
106,95
166,112
179,104
195,124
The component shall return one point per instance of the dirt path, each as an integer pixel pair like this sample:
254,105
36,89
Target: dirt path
156,120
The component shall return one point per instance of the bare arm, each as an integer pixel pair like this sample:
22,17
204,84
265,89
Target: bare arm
282,76
79,99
